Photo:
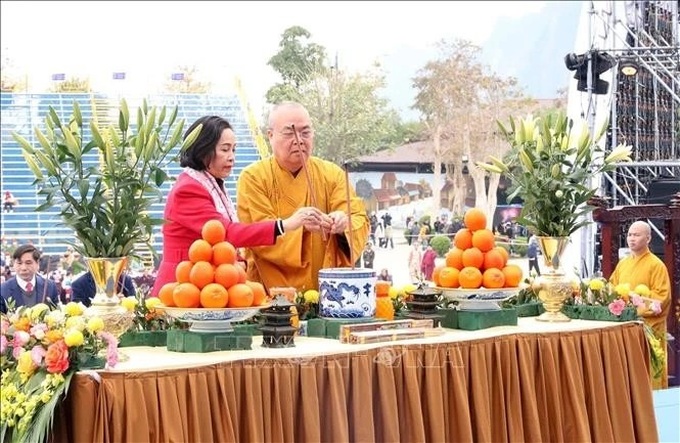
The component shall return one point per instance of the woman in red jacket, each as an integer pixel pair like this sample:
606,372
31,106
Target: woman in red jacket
198,196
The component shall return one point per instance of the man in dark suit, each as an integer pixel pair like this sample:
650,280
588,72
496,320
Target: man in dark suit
27,288
83,288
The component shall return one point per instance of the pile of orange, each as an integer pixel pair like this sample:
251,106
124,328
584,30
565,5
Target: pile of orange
474,260
211,278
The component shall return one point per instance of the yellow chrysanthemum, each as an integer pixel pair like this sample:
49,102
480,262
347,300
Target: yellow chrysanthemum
73,337
311,296
596,284
129,303
410,287
95,325
37,310
73,309
622,289
642,290
152,302
25,365
77,322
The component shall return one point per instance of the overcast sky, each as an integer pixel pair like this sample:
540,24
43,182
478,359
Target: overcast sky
148,40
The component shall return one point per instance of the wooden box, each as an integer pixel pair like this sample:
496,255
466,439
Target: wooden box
330,327
347,330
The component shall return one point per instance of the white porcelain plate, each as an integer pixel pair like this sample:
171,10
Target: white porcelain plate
211,320
481,299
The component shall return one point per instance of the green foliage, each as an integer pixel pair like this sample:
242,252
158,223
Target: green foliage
350,118
405,132
550,168
441,244
521,249
295,62
447,85
106,206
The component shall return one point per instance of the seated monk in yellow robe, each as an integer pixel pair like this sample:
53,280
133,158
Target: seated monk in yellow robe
643,267
278,185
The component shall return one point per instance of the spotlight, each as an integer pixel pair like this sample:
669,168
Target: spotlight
573,61
601,62
628,66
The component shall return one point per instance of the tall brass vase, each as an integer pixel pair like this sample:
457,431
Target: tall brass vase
105,304
554,285
106,273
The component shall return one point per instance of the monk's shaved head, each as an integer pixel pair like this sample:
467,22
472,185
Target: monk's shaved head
639,236
642,227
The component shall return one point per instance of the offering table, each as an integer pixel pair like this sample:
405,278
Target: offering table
576,381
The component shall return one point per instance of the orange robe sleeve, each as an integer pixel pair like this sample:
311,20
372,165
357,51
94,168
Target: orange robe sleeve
265,190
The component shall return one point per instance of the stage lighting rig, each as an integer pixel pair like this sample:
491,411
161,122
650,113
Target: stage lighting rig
628,66
599,63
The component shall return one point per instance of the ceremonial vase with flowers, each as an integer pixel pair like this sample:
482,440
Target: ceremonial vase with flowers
40,351
550,166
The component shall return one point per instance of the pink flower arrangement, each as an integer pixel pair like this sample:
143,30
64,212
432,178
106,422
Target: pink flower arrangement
40,350
599,292
617,306
640,303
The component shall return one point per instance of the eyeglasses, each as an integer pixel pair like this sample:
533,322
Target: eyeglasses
305,134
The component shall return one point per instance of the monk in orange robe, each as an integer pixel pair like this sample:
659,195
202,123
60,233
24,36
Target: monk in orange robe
278,185
642,267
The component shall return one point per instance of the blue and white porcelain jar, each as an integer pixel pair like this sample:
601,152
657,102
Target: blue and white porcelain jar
347,292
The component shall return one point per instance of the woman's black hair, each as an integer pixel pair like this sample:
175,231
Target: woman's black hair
201,152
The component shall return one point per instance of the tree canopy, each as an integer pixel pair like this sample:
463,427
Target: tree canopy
297,60
460,100
349,115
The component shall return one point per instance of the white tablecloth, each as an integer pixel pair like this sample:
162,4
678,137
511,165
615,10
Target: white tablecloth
145,358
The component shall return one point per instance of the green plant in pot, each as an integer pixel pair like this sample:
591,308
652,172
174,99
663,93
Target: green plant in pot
106,202
550,166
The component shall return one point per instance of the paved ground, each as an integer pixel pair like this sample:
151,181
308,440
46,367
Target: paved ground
396,260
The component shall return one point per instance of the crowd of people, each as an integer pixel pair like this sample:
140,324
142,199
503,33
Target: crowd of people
29,277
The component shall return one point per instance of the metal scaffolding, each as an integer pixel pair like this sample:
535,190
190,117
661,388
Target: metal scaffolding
642,110
645,108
